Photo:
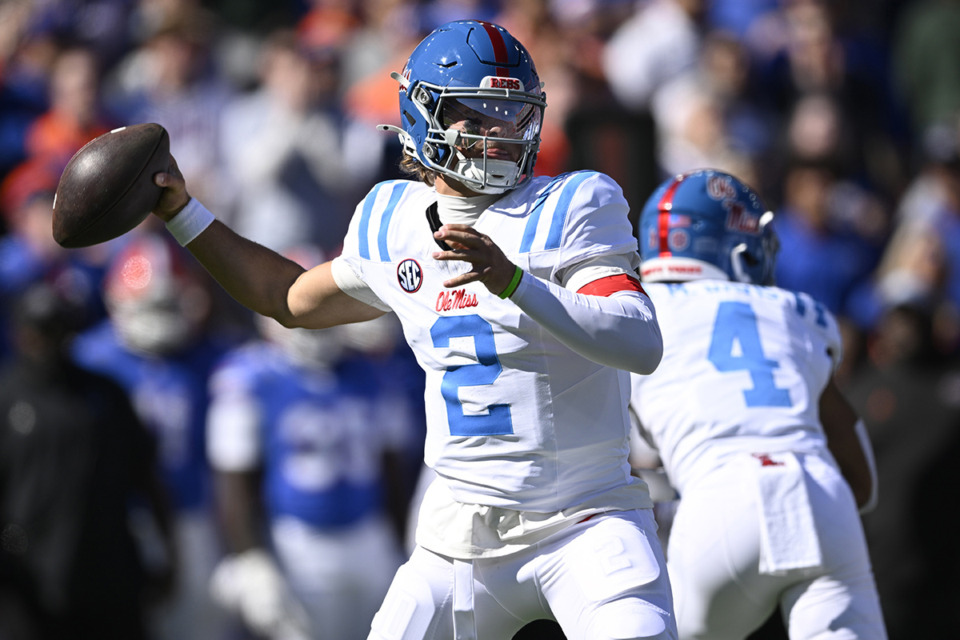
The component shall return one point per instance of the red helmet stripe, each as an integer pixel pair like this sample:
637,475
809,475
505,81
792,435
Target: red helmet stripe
663,222
499,47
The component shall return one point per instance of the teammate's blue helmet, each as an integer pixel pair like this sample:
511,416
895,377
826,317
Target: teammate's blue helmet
470,85
706,224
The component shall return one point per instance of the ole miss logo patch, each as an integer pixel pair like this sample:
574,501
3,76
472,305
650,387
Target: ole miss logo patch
409,275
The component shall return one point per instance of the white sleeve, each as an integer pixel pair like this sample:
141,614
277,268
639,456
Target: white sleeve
619,330
351,284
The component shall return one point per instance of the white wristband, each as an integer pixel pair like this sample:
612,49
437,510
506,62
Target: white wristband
190,222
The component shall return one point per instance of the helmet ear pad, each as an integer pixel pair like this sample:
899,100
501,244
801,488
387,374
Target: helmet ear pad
706,224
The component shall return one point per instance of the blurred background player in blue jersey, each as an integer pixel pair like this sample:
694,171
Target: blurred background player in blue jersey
156,342
309,447
770,461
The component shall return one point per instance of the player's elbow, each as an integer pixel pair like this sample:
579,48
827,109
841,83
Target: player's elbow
865,493
642,353
650,356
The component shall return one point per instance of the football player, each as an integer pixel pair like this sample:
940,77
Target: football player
304,439
769,460
521,299
158,344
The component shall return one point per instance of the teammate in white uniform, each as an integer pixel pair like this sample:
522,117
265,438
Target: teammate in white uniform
768,459
520,298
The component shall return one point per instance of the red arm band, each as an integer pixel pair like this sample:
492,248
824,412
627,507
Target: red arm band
611,284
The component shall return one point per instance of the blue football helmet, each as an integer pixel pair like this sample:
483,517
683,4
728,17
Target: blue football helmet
706,224
471,106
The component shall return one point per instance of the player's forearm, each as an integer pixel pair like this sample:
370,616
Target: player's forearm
850,445
619,331
254,275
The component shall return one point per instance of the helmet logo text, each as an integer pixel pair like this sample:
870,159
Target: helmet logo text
495,82
739,219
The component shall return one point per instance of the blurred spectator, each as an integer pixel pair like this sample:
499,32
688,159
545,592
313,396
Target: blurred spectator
932,201
307,445
820,57
28,252
661,40
328,23
706,118
741,18
75,116
533,23
297,164
73,459
828,259
392,29
926,60
157,343
170,79
26,55
909,396
101,26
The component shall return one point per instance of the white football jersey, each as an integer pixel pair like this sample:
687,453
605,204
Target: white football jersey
743,367
514,418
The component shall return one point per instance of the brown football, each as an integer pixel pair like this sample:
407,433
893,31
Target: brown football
107,187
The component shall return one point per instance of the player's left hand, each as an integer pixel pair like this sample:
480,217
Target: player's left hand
488,264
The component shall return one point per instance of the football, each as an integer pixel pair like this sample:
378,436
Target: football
107,187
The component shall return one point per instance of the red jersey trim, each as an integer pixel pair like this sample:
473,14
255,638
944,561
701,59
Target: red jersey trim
611,284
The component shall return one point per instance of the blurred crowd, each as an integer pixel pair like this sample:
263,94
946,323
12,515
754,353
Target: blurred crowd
845,116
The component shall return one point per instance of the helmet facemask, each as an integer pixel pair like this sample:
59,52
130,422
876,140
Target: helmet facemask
469,127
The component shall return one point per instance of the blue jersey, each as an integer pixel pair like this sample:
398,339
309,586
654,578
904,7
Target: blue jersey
318,435
170,395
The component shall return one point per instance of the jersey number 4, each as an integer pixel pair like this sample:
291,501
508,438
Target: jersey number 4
497,421
735,346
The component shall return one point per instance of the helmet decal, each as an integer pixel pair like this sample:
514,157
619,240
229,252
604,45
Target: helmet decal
499,46
720,187
664,207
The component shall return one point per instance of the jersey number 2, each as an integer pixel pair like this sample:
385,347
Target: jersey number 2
497,421
736,324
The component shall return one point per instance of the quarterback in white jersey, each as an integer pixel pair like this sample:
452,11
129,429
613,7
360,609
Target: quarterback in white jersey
521,299
765,453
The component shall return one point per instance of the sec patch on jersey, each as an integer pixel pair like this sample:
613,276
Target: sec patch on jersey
107,187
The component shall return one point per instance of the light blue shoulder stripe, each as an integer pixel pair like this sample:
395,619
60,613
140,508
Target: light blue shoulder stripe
363,230
398,189
571,182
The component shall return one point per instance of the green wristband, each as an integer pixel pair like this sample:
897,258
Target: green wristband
514,283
